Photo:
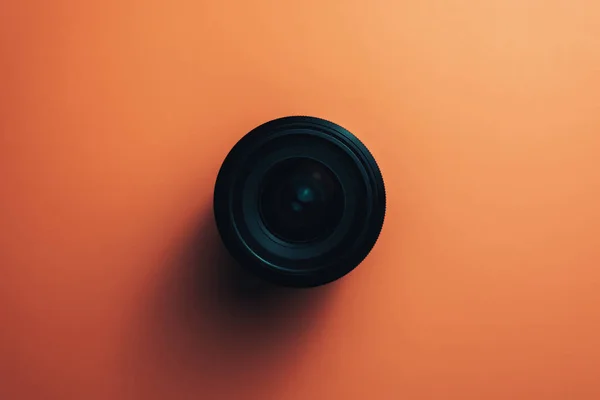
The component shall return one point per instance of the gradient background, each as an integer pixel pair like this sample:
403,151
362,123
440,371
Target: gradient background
483,115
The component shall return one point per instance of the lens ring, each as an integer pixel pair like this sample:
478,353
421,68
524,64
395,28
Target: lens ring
328,255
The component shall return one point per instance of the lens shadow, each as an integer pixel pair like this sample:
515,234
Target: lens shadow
212,329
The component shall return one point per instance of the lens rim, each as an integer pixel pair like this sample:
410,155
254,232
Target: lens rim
236,181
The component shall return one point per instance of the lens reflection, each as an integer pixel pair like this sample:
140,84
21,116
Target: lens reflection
301,200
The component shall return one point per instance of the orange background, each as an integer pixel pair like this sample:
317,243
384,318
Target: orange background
483,115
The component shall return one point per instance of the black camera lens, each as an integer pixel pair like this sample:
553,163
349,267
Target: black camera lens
299,201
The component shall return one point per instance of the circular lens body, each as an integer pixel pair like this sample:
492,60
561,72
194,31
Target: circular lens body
299,201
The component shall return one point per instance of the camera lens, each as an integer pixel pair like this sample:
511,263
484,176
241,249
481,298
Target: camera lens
299,201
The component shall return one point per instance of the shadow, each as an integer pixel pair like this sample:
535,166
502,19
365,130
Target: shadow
212,329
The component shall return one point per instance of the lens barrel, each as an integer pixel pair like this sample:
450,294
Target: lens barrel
299,201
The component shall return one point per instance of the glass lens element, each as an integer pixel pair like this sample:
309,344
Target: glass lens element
301,200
